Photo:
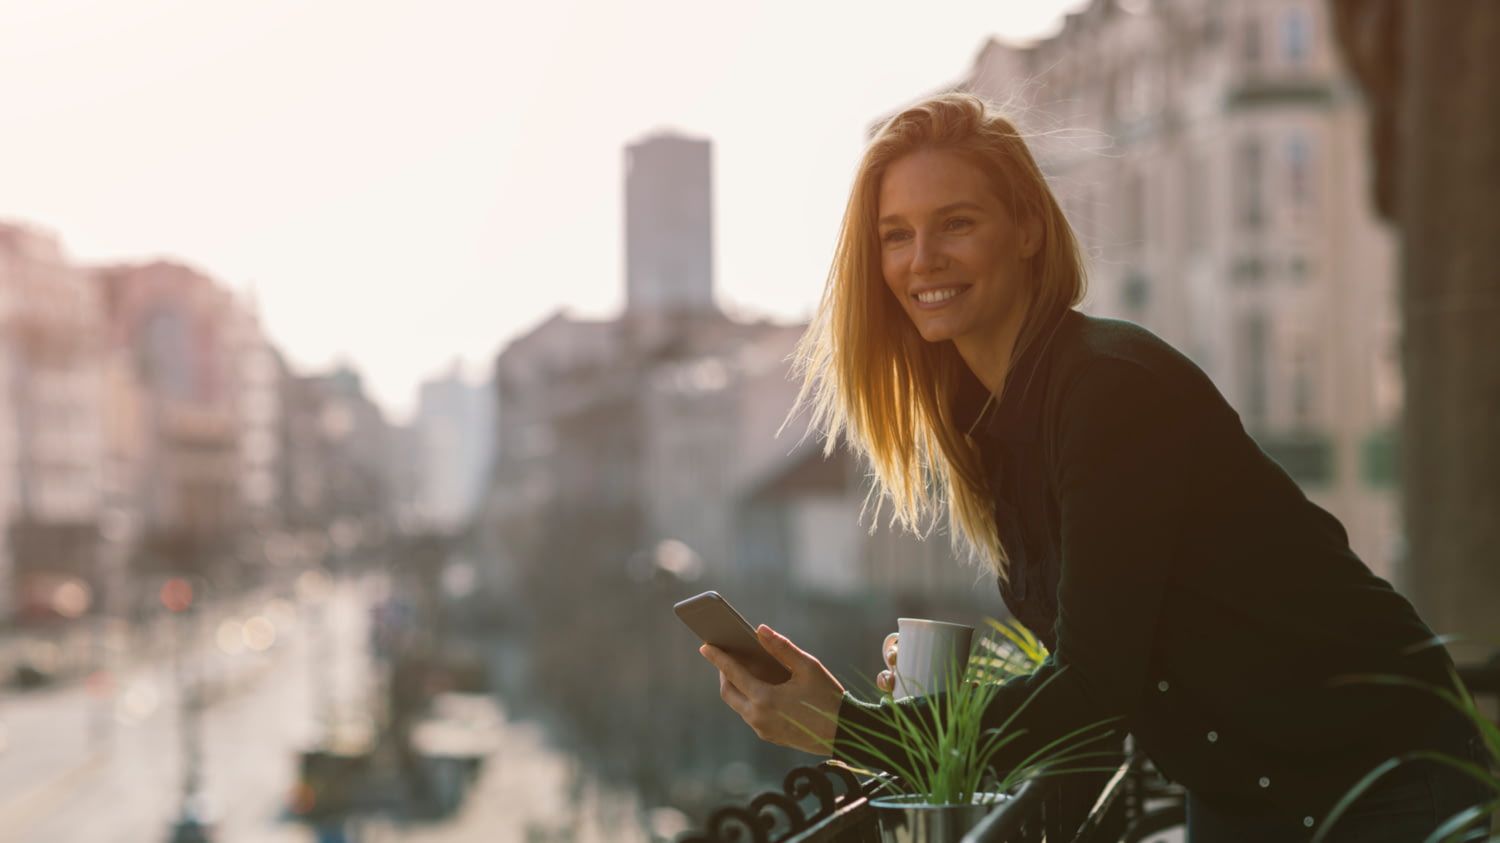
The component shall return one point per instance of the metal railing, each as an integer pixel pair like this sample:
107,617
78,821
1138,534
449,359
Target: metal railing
830,804
824,803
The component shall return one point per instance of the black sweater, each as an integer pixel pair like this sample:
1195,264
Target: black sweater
1184,581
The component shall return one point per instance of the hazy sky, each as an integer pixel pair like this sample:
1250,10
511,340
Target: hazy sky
408,183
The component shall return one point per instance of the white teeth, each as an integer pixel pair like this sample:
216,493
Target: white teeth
931,296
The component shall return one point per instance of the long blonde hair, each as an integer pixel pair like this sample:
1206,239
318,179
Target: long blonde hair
869,377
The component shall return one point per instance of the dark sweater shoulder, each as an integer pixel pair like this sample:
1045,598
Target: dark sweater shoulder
1105,348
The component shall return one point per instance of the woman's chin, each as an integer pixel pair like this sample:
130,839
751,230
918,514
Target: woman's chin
934,333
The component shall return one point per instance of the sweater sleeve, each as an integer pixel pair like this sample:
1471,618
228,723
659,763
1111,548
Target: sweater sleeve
1120,454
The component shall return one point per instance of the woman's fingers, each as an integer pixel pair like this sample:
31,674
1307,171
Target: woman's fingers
783,649
886,679
731,695
800,712
732,674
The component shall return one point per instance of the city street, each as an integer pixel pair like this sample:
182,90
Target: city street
107,768
82,763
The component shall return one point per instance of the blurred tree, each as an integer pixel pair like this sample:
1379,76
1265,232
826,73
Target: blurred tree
1431,74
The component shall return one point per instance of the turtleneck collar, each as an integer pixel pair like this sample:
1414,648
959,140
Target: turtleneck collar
1016,416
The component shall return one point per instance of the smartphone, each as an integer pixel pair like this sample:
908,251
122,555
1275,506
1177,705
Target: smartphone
717,623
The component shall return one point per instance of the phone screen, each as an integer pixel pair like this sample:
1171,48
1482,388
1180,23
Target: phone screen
718,623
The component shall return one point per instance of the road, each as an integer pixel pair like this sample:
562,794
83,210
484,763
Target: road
77,767
99,765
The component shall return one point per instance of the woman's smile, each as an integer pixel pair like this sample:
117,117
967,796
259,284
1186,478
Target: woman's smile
929,299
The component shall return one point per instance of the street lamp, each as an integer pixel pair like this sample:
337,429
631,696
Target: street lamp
183,554
177,597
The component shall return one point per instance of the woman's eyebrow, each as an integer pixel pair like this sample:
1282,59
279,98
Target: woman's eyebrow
961,205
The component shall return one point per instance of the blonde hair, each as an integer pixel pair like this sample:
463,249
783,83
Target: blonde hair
870,378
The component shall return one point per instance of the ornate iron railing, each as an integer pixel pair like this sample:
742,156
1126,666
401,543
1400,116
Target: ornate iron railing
829,804
822,803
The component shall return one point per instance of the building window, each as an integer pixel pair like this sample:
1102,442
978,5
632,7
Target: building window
1133,226
1307,457
1135,294
1298,268
1299,171
1304,386
1295,36
1248,270
1195,206
1250,172
1381,458
1250,41
1213,26
1254,352
167,359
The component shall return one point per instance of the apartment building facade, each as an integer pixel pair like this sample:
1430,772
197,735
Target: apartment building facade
1212,156
51,437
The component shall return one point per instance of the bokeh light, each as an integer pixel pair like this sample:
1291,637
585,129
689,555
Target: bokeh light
72,598
100,684
258,633
230,637
303,798
138,702
176,594
313,586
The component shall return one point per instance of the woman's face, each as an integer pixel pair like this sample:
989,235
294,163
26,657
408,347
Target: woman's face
951,252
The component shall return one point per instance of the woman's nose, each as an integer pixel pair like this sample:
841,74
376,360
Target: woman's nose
926,256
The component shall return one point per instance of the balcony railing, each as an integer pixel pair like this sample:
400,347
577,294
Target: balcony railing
830,804
822,803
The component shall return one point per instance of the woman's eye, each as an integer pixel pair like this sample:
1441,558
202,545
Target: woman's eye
895,235
959,223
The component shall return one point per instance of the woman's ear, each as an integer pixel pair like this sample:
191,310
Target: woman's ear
1031,237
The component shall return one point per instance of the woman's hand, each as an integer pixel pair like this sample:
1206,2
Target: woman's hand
801,712
886,679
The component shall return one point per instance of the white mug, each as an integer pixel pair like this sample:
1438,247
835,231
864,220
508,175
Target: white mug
928,653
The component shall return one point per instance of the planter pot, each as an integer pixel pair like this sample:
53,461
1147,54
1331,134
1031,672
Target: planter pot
908,819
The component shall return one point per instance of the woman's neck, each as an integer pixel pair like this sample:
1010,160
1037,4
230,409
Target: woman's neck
990,357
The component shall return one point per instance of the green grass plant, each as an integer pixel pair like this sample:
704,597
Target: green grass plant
948,750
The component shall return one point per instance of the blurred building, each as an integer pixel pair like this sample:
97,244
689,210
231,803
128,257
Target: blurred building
258,410
51,441
343,463
577,415
700,440
170,330
149,426
1211,155
453,428
669,226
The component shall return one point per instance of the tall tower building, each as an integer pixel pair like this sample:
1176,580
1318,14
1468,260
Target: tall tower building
669,226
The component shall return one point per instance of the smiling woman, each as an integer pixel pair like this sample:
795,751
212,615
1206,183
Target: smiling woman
1184,585
948,202
953,255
